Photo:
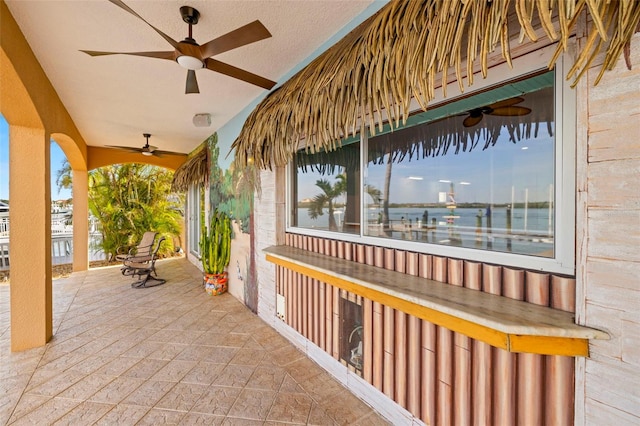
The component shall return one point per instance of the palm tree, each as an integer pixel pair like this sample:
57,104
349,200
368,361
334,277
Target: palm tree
387,187
130,199
64,176
329,193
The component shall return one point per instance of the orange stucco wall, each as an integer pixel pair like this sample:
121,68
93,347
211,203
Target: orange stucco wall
35,114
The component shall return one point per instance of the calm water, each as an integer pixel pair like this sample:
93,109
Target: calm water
531,232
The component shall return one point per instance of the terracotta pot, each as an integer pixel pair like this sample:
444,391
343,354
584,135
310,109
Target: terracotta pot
215,284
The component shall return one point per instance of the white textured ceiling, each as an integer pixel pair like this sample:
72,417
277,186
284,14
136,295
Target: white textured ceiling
114,99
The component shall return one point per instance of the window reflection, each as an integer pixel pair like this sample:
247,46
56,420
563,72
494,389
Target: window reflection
478,172
327,190
481,176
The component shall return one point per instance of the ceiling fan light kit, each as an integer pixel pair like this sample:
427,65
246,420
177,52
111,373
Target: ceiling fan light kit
193,56
190,62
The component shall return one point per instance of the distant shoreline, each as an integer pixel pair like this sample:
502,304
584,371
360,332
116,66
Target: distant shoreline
519,205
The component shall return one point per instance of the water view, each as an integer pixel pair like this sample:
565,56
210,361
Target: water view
530,231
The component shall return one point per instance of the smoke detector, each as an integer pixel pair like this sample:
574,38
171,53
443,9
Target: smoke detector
202,120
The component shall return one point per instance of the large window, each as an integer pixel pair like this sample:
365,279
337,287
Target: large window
488,176
327,190
476,173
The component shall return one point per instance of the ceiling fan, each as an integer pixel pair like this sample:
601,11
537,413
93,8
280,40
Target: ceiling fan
507,107
193,56
148,150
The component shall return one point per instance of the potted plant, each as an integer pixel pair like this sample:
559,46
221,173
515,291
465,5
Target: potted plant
215,249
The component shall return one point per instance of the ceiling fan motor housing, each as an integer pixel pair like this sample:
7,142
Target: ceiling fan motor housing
190,15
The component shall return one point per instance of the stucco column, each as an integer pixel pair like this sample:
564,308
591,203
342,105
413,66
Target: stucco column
30,237
80,220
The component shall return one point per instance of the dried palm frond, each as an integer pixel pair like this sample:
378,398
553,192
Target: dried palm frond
193,171
398,55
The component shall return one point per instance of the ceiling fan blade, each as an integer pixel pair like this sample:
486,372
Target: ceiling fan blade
507,102
160,152
121,5
510,111
192,83
240,74
171,55
247,34
471,121
125,148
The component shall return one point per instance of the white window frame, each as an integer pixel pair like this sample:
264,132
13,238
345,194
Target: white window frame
193,208
563,261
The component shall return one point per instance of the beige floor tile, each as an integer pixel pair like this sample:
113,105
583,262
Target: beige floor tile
26,404
57,384
182,397
204,373
168,351
221,354
92,363
282,356
267,377
196,419
149,393
117,366
218,362
303,369
143,349
371,419
84,414
248,356
175,336
289,385
119,347
117,390
194,353
42,375
8,401
47,413
234,375
234,340
174,371
216,400
291,408
144,368
235,421
318,416
86,387
253,404
122,415
344,408
321,386
156,417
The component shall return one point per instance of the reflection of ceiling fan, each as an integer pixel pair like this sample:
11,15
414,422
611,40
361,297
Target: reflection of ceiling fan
147,149
192,56
504,108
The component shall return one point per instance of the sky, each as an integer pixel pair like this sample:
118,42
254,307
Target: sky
523,171
57,157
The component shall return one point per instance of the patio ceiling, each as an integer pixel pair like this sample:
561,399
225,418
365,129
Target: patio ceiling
114,99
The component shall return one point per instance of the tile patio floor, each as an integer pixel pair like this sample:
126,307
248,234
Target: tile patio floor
164,355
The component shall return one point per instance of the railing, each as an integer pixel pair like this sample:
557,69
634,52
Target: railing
61,239
61,250
61,223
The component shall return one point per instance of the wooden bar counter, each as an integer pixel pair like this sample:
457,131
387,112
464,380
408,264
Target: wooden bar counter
505,323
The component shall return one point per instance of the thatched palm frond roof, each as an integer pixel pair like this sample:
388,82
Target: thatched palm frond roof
193,171
397,55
